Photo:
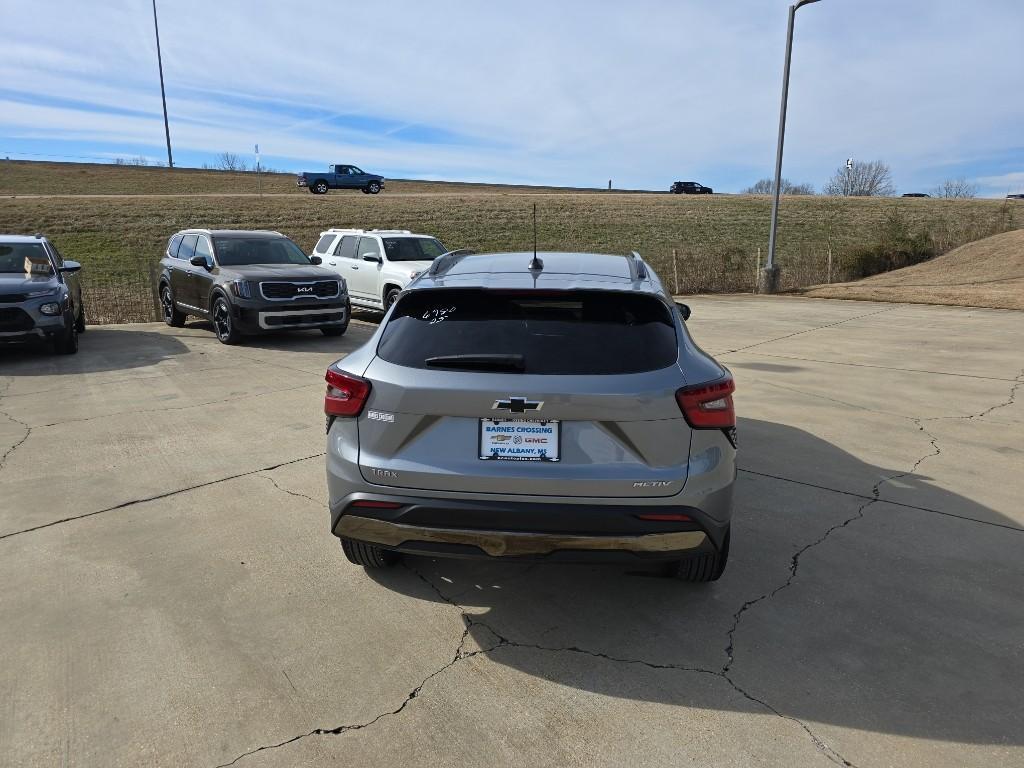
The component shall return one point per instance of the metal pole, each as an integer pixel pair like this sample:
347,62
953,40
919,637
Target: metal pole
769,277
163,95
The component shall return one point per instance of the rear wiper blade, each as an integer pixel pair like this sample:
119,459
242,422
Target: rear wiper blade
478,362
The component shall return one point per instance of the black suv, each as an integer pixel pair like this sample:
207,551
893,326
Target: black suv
40,296
247,282
689,188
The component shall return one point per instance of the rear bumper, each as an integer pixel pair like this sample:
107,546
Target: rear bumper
527,530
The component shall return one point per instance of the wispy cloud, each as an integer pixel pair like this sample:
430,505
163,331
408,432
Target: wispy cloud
573,92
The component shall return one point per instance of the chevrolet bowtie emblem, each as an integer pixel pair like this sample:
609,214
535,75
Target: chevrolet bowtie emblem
517,405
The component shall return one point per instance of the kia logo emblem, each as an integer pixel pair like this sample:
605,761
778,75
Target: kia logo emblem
308,289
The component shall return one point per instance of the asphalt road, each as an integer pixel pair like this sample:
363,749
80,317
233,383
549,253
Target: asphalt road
171,594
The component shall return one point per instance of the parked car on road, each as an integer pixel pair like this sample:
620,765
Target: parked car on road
1015,197
689,188
377,264
916,194
248,282
550,407
40,294
340,177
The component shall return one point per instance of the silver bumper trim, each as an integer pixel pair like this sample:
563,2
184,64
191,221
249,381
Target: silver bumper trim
512,543
313,324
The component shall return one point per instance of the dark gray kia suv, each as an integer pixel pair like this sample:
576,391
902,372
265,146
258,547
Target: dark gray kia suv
248,282
519,406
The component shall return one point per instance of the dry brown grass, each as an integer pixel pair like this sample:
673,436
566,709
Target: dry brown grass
119,237
985,273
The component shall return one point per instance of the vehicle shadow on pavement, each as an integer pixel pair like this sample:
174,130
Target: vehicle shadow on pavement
296,341
835,608
99,349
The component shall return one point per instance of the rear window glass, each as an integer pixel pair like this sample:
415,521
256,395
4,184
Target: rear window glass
545,332
324,243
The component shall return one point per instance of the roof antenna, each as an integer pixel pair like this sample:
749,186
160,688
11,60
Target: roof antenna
535,263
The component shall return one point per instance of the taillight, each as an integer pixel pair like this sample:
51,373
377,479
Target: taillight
346,394
708,406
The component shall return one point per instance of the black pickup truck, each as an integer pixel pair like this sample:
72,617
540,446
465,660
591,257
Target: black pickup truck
340,177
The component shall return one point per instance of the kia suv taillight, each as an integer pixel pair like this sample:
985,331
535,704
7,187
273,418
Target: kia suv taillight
346,394
708,406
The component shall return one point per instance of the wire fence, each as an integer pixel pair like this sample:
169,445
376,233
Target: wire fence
128,296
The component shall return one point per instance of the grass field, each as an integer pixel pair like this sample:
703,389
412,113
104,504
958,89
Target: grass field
716,238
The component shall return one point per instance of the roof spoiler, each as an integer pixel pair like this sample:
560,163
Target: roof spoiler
448,260
637,268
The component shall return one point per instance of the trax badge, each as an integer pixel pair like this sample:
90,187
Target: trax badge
380,416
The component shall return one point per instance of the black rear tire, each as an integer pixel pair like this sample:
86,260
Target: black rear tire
171,315
367,555
319,187
705,567
80,321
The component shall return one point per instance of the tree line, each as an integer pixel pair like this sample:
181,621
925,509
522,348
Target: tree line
862,179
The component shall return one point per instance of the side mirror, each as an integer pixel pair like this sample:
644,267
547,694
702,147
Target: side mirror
315,260
200,261
372,257
70,266
684,310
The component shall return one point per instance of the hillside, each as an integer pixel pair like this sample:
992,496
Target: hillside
118,237
985,273
23,177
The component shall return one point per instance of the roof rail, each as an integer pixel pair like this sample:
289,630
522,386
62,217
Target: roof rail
390,231
344,229
448,260
637,268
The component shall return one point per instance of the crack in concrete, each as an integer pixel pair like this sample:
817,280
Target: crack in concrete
157,497
1018,382
893,502
470,621
290,492
458,656
503,642
233,398
794,563
807,330
28,429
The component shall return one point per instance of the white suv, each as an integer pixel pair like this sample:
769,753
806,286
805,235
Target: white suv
376,263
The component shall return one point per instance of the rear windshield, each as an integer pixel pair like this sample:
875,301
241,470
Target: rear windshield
236,251
412,248
546,332
24,258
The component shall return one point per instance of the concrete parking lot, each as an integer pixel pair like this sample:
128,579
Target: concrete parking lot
171,594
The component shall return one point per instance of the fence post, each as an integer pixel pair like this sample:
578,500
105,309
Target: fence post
757,271
154,291
675,274
829,280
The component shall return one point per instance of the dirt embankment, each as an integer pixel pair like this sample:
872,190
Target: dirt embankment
985,273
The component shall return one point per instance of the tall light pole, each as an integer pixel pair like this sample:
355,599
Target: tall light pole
163,95
768,280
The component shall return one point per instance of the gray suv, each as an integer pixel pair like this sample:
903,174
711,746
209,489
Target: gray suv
40,295
248,282
520,406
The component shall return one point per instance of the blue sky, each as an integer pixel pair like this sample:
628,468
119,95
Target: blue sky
571,93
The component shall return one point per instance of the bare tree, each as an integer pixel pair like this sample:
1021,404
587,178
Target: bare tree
767,187
861,179
956,188
229,161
